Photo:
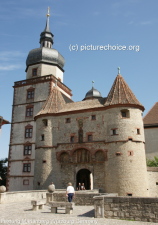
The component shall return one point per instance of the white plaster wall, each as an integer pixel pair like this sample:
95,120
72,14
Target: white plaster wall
151,142
18,152
18,135
16,184
16,168
54,70
44,70
41,93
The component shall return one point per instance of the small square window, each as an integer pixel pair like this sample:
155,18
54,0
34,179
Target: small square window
72,139
45,122
138,131
130,153
125,113
34,72
90,137
93,117
118,153
68,120
114,132
42,137
44,161
129,194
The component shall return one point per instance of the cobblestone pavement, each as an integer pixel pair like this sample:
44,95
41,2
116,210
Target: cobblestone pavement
21,213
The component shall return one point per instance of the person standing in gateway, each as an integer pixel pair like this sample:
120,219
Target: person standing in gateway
70,192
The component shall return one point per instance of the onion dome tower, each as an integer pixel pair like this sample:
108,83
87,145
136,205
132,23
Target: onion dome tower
45,60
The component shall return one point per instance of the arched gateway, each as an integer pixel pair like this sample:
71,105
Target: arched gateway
84,176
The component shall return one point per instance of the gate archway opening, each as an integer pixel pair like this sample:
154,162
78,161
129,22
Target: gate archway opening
85,176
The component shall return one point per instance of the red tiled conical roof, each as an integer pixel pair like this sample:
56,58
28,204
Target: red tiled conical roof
54,102
152,116
121,94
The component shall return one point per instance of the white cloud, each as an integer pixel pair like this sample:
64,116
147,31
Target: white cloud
145,22
10,67
10,60
10,55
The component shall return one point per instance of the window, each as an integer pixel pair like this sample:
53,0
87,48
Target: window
28,131
93,117
138,131
42,137
72,139
130,153
44,161
27,149
25,182
30,94
129,194
29,111
125,113
27,167
45,122
118,153
34,72
90,137
67,120
114,131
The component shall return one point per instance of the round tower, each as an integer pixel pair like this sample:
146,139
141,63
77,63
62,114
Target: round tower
126,172
45,171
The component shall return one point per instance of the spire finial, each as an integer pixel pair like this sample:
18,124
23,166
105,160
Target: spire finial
92,83
48,13
118,70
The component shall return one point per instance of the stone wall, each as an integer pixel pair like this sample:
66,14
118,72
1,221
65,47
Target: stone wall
127,208
19,196
81,197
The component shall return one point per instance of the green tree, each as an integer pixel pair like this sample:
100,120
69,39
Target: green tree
152,162
3,171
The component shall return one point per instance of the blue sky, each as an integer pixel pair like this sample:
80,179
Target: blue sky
76,22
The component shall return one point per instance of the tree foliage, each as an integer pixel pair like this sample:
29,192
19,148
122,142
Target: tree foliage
152,162
3,171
